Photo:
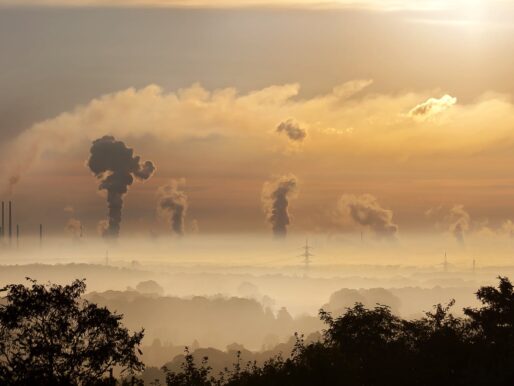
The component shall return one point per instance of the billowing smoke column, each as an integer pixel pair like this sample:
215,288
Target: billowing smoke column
172,205
275,199
365,211
115,165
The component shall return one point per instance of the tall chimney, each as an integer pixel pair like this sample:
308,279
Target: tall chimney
17,235
2,234
40,235
10,222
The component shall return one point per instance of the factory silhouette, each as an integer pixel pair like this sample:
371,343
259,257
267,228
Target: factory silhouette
116,167
10,223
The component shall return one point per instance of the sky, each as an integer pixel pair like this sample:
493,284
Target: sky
389,117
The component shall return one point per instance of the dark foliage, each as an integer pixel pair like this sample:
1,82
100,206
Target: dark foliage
50,336
368,347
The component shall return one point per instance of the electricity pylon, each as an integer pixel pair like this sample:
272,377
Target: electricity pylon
306,257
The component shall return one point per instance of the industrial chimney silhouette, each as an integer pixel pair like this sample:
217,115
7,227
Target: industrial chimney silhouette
10,222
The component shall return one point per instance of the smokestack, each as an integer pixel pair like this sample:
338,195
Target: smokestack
3,220
10,222
40,235
17,235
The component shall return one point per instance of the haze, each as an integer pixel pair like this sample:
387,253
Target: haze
200,145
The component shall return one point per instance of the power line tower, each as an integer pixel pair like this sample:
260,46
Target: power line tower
306,256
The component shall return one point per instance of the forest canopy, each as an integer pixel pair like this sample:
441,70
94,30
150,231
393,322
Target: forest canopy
51,336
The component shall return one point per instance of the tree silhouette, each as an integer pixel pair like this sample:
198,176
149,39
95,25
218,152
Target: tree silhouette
372,347
191,374
50,336
493,326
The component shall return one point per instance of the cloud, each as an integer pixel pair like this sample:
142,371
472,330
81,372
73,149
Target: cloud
275,201
343,123
172,205
293,130
365,212
433,106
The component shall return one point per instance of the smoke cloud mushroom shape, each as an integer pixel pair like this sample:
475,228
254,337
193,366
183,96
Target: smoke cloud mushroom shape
293,130
365,211
275,199
172,205
115,165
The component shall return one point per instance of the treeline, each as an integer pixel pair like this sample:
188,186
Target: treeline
374,347
214,321
50,335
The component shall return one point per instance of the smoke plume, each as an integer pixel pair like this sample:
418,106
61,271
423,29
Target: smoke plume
172,205
459,222
293,130
455,220
115,165
73,226
195,228
13,180
364,211
275,200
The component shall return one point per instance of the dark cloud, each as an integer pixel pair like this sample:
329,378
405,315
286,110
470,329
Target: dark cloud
365,211
115,165
172,205
293,130
275,199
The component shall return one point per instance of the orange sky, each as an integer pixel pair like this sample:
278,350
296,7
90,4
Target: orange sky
435,132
